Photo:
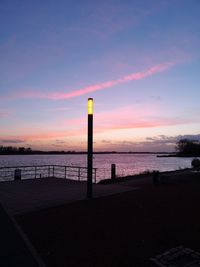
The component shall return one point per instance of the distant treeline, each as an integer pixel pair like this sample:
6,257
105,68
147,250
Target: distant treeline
10,150
14,150
186,147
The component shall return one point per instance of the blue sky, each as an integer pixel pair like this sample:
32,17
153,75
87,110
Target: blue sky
139,60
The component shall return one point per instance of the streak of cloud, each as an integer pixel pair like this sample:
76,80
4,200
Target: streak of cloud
100,86
41,136
131,77
12,141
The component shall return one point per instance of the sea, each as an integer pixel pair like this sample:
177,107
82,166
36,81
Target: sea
126,164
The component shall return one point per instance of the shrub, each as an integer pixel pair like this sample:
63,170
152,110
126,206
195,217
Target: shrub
195,163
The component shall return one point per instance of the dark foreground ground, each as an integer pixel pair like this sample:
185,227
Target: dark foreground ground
120,230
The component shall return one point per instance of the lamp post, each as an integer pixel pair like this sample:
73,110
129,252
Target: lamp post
90,148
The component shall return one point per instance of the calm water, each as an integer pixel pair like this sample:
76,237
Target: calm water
125,164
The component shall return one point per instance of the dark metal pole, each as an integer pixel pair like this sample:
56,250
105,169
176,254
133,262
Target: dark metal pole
90,148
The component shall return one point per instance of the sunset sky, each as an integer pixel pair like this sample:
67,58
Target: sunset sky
138,59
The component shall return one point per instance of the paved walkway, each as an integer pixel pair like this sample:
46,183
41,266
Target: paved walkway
28,195
19,197
15,249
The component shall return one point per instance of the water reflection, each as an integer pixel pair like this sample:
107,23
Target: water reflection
126,164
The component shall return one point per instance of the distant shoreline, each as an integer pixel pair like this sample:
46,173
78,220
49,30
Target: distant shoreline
158,154
178,156
82,153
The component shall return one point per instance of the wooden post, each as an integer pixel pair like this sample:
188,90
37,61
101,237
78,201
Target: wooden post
95,175
65,172
113,171
17,174
79,174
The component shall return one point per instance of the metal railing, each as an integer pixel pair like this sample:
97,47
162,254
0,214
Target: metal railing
42,171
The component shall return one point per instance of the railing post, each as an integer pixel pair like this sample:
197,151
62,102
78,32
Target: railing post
17,174
48,171
79,173
65,172
53,170
35,172
95,175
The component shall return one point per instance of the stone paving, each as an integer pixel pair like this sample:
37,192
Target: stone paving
33,194
178,256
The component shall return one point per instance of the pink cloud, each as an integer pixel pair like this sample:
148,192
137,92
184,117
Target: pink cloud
147,123
53,135
128,118
120,119
42,136
100,86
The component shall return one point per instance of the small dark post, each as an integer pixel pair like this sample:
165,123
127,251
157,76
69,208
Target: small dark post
156,178
113,171
17,174
90,148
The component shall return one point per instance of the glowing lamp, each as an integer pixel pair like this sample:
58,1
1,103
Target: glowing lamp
90,106
90,148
